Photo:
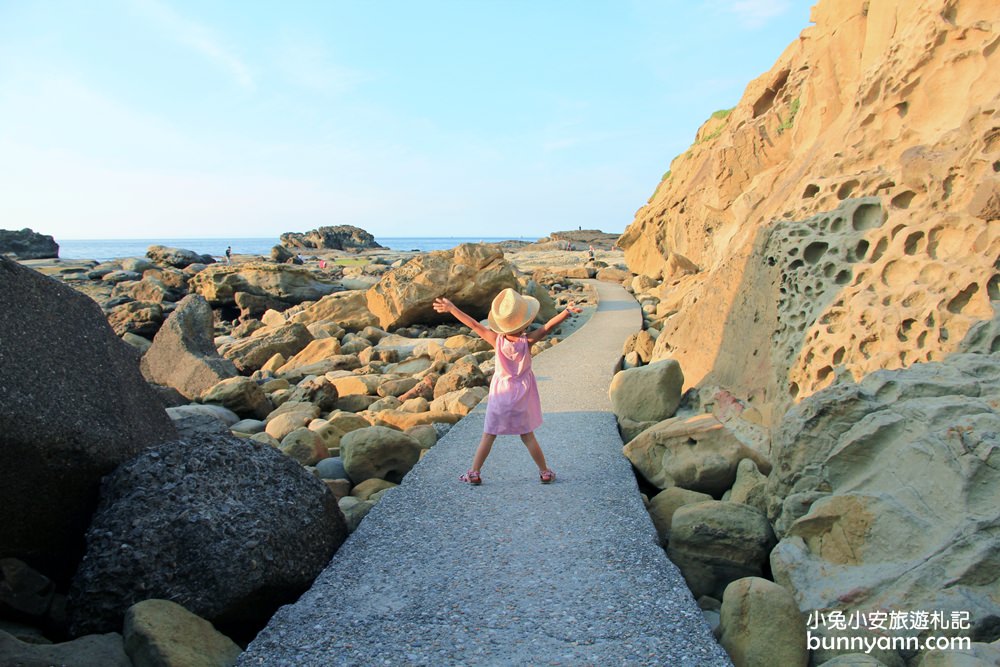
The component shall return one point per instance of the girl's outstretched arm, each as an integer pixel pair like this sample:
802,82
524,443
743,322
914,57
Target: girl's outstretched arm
443,305
539,334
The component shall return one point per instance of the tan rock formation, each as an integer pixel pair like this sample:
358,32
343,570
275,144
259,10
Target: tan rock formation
219,283
838,215
470,275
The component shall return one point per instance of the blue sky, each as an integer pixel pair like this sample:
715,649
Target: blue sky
170,118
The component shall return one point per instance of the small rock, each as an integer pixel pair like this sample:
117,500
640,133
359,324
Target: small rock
161,633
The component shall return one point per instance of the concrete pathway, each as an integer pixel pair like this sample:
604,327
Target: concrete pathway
512,572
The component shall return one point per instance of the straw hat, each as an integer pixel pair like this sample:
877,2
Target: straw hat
511,311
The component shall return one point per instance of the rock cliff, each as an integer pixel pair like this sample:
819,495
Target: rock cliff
339,237
842,217
28,244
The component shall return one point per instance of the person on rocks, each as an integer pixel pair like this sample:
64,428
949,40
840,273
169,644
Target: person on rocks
229,254
514,407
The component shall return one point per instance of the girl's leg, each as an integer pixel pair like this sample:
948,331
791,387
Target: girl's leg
531,442
485,445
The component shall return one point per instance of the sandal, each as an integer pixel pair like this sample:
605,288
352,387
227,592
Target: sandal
472,477
547,476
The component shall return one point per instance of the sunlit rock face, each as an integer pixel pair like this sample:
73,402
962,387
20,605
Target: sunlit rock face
841,218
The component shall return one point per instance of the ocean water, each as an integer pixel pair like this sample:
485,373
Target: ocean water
107,249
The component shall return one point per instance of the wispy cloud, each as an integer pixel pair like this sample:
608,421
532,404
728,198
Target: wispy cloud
751,13
306,62
197,37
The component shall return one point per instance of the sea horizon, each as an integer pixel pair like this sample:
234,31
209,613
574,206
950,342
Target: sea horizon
110,249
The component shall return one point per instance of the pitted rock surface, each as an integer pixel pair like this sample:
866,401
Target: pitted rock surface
841,219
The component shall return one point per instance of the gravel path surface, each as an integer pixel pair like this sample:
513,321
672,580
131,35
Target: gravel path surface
512,572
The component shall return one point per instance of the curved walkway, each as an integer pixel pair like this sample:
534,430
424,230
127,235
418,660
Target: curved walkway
512,572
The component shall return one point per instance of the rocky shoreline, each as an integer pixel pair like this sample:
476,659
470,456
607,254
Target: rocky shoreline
337,365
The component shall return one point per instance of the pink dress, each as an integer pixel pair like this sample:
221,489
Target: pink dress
513,407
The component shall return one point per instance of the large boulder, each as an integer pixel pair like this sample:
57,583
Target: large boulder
647,393
700,454
715,543
228,528
183,355
470,275
378,451
663,505
337,237
761,625
883,490
251,353
73,406
288,283
176,257
348,309
28,244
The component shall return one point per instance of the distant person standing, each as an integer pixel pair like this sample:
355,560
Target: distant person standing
229,254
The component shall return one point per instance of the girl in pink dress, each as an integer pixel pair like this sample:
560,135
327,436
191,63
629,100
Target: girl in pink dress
513,407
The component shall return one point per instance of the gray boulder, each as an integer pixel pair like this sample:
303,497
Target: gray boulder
228,528
106,650
715,543
73,405
183,355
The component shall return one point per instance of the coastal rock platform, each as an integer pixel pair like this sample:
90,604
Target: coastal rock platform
511,572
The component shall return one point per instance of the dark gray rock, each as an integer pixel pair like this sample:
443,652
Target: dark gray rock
27,244
25,593
338,237
228,528
197,424
183,355
90,651
73,405
332,468
281,254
